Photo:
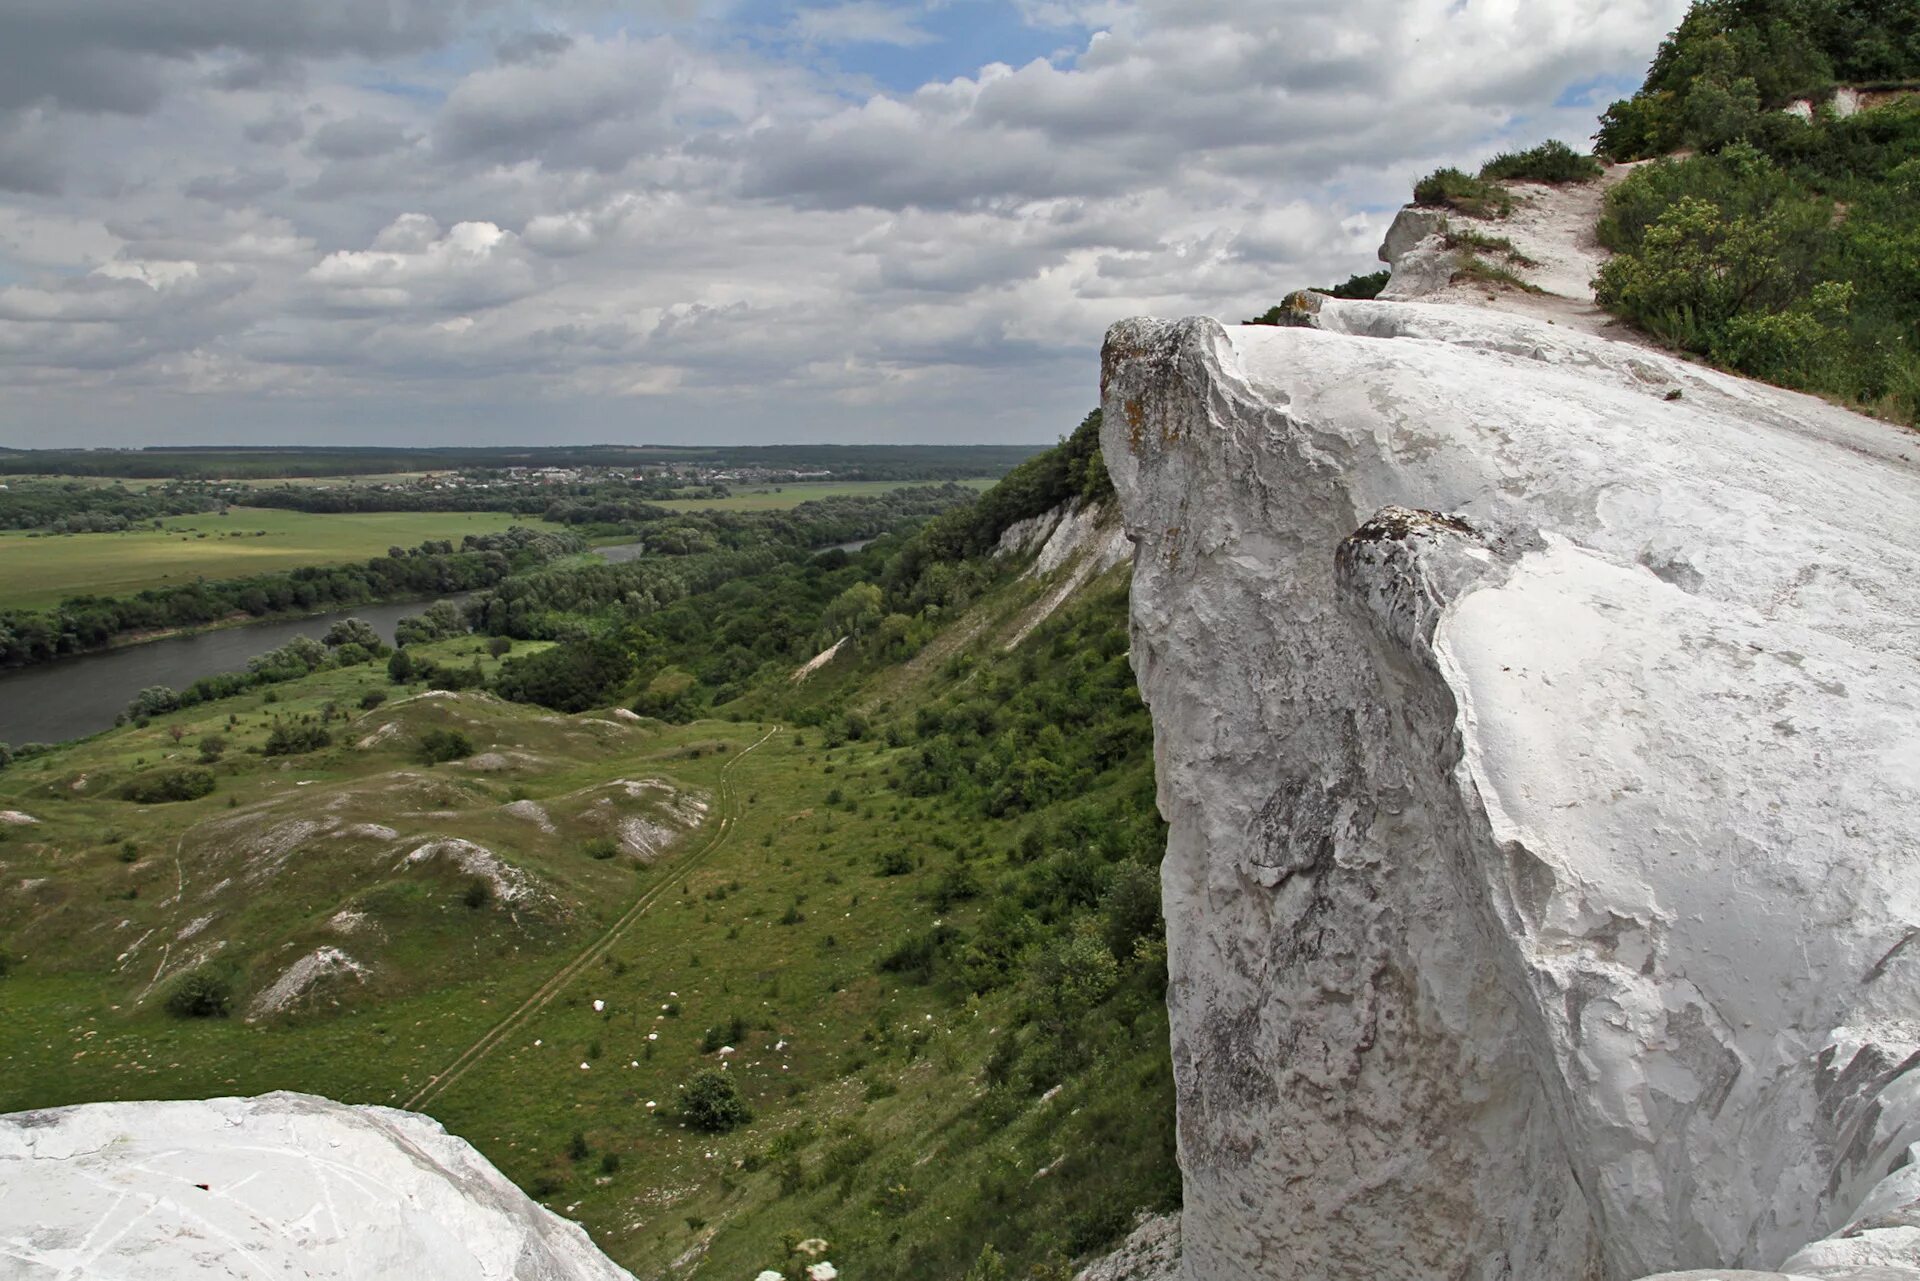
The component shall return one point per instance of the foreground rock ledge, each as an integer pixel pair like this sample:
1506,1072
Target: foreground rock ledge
1538,720
283,1185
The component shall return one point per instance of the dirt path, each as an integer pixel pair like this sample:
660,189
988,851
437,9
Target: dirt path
725,817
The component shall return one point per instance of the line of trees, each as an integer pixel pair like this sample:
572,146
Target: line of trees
436,568
71,508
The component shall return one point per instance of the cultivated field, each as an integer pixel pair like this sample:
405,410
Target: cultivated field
36,572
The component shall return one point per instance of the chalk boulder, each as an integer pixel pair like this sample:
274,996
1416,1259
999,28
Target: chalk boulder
283,1185
1536,719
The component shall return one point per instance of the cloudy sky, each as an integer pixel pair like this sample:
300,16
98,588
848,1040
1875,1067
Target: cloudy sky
491,221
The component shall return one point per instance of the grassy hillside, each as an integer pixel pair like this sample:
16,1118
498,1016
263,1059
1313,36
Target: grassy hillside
1780,246
915,927
40,571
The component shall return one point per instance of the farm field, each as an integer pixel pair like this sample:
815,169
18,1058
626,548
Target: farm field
771,498
36,572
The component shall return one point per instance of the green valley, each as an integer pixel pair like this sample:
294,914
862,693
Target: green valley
900,911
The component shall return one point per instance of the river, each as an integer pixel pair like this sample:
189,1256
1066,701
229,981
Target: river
74,697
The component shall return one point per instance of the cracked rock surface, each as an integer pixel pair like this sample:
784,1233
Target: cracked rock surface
282,1185
1537,719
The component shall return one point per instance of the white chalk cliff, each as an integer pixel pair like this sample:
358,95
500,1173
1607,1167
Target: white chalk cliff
1538,722
283,1185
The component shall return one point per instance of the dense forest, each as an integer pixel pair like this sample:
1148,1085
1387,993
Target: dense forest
743,602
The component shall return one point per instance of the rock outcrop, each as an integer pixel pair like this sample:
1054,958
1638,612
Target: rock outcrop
1537,719
283,1185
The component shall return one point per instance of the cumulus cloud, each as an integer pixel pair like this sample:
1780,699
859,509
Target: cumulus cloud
509,219
414,265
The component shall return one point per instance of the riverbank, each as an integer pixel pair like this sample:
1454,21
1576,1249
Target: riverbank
81,694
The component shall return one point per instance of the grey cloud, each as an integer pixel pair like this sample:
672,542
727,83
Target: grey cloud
738,241
533,46
250,71
236,186
29,158
276,130
591,106
358,138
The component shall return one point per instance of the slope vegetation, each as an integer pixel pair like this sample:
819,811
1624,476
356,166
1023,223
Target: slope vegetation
719,963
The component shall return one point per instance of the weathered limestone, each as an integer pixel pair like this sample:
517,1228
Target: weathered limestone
1537,719
283,1185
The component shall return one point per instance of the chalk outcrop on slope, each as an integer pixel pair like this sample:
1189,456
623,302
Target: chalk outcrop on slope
280,1185
1536,722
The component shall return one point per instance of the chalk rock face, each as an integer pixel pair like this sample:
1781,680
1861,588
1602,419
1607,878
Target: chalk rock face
1416,249
1537,719
283,1185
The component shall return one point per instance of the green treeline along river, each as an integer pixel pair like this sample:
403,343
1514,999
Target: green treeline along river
74,697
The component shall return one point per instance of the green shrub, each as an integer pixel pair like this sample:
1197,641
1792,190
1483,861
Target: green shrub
601,847
1464,193
155,700
1552,161
287,739
212,748
710,1102
372,699
200,994
163,786
440,745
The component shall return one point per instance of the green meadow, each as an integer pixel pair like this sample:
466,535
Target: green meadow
38,571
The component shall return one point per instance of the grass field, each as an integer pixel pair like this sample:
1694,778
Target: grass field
43,571
754,942
771,498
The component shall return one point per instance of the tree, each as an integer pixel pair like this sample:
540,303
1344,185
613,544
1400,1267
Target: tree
353,631
710,1102
400,667
154,700
855,612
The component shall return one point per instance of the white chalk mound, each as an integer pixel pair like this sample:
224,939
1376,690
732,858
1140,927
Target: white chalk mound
283,1185
1537,719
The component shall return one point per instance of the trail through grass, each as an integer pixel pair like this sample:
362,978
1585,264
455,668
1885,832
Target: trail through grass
722,820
